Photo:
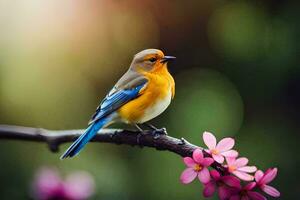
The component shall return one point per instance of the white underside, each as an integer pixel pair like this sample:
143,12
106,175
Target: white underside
157,108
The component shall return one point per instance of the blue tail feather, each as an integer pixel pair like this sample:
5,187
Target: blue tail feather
89,133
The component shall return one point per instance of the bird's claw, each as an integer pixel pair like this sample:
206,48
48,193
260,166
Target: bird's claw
159,132
156,133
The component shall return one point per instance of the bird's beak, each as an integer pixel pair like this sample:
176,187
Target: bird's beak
167,58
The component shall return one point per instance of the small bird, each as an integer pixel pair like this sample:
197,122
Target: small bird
140,95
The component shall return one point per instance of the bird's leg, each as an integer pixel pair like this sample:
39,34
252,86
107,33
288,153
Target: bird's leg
160,131
140,133
150,126
139,128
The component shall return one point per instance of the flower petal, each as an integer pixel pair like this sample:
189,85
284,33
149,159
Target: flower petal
269,176
268,171
256,196
224,192
188,175
209,189
258,175
230,160
189,162
225,144
204,175
230,153
47,183
240,162
250,186
248,169
209,140
271,191
79,185
198,155
218,158
245,198
231,181
235,197
215,174
243,176
206,162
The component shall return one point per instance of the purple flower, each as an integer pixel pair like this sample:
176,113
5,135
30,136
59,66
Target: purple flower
48,185
246,193
196,166
223,184
220,180
262,179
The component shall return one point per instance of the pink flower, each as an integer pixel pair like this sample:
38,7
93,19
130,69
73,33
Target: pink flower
79,185
262,179
246,193
224,185
48,185
220,150
196,166
238,168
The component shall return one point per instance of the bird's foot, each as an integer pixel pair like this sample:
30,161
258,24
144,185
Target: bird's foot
160,131
157,133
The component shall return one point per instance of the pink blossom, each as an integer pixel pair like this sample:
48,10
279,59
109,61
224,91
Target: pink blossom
239,168
262,179
48,185
220,150
224,185
196,166
79,185
246,193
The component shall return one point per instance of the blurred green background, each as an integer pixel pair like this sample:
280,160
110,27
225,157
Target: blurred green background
237,74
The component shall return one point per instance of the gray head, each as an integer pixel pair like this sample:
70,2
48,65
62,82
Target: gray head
149,59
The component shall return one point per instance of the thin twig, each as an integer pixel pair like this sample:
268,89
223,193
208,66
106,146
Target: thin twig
117,136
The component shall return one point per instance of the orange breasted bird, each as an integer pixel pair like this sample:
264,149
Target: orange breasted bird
140,95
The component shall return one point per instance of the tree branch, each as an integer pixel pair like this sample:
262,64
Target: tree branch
117,136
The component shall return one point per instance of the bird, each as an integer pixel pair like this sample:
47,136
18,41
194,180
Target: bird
141,94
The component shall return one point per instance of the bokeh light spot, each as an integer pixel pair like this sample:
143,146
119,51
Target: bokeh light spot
236,31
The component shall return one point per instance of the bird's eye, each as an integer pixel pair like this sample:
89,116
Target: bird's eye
152,59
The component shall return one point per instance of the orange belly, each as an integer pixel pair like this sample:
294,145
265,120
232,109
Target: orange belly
153,100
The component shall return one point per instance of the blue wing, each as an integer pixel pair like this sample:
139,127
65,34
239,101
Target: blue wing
127,88
115,99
